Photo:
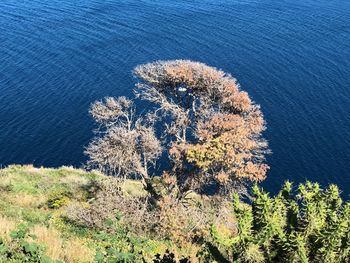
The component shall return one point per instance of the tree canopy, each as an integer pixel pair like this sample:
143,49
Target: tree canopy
210,128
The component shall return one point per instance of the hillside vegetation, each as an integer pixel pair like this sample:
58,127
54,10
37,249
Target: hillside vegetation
34,202
70,215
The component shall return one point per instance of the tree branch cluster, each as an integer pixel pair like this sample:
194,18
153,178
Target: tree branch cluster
212,130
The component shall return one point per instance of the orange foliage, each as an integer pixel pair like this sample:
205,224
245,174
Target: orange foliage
226,123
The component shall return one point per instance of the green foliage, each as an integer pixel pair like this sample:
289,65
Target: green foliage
119,245
311,225
58,197
19,249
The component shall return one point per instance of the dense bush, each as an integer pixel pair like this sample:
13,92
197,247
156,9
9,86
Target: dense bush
311,225
109,201
58,197
122,217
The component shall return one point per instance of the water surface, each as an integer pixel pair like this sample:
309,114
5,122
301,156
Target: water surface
292,56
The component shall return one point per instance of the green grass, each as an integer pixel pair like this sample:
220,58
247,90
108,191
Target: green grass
37,197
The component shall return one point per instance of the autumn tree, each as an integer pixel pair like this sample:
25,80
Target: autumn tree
210,128
213,128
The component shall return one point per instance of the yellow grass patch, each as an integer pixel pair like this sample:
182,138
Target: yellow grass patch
6,226
26,200
51,238
71,251
76,251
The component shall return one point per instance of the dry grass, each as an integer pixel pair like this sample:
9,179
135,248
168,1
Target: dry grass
26,200
51,238
6,226
76,251
71,250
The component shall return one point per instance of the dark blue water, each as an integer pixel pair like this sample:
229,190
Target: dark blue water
292,56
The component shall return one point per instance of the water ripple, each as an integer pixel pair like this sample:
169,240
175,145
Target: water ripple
293,57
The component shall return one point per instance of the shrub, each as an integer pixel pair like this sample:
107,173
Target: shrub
120,244
311,225
109,202
183,223
103,206
117,247
58,197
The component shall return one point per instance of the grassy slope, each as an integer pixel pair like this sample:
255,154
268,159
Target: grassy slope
25,192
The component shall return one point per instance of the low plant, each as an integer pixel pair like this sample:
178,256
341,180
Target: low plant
19,249
310,225
58,197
